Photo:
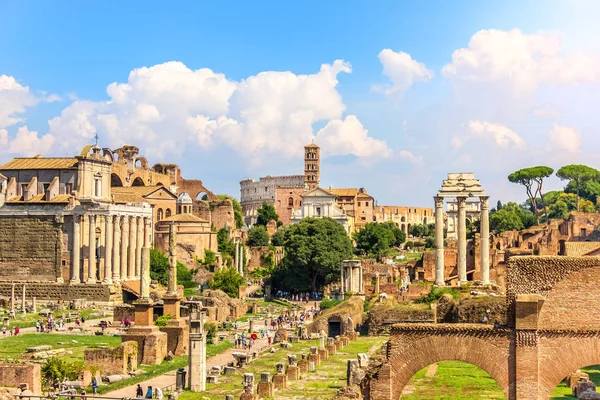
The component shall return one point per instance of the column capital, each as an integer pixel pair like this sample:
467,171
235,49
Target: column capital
439,201
92,217
484,200
461,201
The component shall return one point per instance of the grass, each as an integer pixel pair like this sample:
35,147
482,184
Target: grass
30,319
562,391
454,380
321,384
14,346
151,371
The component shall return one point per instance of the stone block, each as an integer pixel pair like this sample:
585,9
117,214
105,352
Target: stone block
363,360
280,381
314,358
294,339
265,387
303,365
178,336
311,366
331,349
292,373
212,378
248,396
323,354
229,370
152,344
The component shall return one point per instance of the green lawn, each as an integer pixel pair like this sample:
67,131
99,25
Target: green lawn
321,384
14,346
562,391
453,380
30,319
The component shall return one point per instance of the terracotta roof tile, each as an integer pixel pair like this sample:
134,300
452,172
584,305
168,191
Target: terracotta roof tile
345,192
61,198
183,218
40,163
138,190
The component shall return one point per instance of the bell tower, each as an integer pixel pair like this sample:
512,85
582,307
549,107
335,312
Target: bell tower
312,166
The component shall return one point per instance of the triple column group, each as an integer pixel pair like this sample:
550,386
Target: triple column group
484,250
124,238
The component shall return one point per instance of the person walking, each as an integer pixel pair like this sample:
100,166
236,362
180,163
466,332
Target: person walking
94,386
159,394
149,392
139,392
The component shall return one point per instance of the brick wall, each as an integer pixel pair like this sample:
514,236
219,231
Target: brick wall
12,375
29,248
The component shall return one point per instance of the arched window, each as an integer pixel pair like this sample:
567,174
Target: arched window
168,212
159,214
290,202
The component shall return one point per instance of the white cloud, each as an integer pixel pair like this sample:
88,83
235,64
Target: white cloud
165,107
348,136
14,100
28,143
402,70
521,62
3,137
503,137
411,158
563,139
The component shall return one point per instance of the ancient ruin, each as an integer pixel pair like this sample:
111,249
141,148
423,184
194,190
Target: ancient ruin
197,349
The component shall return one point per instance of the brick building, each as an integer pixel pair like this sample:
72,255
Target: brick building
404,217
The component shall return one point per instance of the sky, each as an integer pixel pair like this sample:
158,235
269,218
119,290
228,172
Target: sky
396,93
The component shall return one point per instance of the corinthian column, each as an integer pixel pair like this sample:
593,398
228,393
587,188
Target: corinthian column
132,246
139,245
462,239
145,259
108,248
92,251
439,240
124,247
75,256
116,275
484,239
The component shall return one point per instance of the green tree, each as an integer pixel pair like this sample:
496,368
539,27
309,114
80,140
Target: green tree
266,213
204,197
499,205
227,280
258,236
210,258
422,230
511,216
238,214
589,190
314,251
159,266
533,179
224,244
374,238
399,236
578,174
278,237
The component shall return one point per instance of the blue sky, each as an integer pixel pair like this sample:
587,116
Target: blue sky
394,125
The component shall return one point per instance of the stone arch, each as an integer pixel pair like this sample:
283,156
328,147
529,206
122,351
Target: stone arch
403,227
168,213
200,195
416,355
403,219
138,182
115,180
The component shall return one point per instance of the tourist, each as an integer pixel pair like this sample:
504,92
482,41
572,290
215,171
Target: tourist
83,396
83,319
3,330
37,326
139,392
16,330
159,394
12,331
94,386
149,392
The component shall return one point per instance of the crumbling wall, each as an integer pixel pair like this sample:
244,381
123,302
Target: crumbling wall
58,291
353,308
12,375
220,307
115,361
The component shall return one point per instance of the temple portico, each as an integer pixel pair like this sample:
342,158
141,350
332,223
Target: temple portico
461,186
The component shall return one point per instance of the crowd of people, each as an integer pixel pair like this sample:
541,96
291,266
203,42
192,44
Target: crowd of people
303,297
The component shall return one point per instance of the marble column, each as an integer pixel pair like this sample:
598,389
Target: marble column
376,282
92,250
360,279
342,285
484,240
76,250
462,239
108,248
23,310
236,261
145,259
132,246
439,241
139,245
12,301
116,275
172,277
350,272
241,264
124,247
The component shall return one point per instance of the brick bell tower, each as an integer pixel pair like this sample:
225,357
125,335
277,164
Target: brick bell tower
312,166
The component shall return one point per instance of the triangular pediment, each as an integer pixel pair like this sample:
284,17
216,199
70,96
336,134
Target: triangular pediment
318,192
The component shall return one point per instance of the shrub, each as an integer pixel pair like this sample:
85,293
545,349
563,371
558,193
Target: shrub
210,330
227,280
328,303
435,293
161,321
56,369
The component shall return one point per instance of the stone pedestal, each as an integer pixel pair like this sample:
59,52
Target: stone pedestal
178,336
331,349
292,373
197,349
280,381
303,364
323,354
338,343
345,340
314,356
265,387
152,344
144,313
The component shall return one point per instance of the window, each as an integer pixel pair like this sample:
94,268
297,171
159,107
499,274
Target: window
266,189
68,188
290,202
582,232
359,203
98,187
318,209
159,215
168,213
23,188
366,204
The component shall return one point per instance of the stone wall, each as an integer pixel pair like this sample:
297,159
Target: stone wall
58,291
30,248
220,307
120,360
12,375
353,308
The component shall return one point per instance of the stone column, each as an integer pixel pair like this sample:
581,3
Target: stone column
124,247
197,350
439,241
376,282
76,251
139,245
132,246
484,240
360,279
342,279
462,239
23,302
350,273
241,265
12,301
236,261
145,260
172,278
92,251
108,249
116,276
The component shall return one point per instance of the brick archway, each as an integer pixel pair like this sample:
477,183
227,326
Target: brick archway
413,347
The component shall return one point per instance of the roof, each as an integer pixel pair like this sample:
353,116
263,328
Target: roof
2,176
345,192
311,145
318,192
40,163
183,218
61,198
141,191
